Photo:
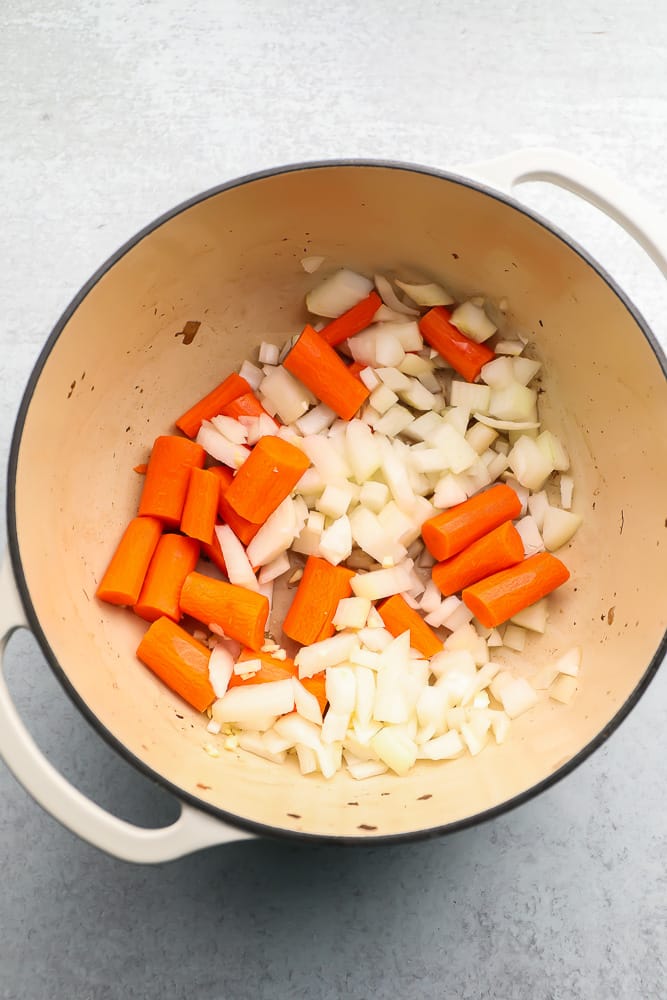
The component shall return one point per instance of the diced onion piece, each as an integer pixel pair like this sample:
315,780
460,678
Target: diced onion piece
307,759
394,421
341,689
306,704
430,294
370,536
316,420
360,770
554,451
465,637
440,615
336,540
480,437
241,704
415,364
311,263
382,398
220,668
559,526
218,447
381,583
513,402
393,378
388,348
329,759
405,332
500,725
512,347
563,689
274,569
515,694
530,535
390,298
525,369
534,617
445,747
338,293
566,491
288,397
431,599
363,347
351,612
424,426
231,429
394,475
363,455
335,500
417,396
514,637
537,506
374,496
570,662
544,677
326,653
457,454
506,425
369,378
276,534
475,732
268,353
395,749
471,395
473,321
239,569
253,742
529,463
498,373
252,374
449,492
494,639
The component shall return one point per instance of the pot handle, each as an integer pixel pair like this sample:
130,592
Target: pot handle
192,830
611,196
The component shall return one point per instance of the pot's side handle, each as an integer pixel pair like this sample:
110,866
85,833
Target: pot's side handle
192,830
616,199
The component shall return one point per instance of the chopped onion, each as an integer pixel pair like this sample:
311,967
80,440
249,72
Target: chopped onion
471,395
338,293
220,668
390,298
395,749
218,447
306,704
514,637
566,491
558,528
445,747
254,743
534,617
276,534
473,321
268,353
563,689
554,451
251,373
382,398
274,569
289,398
513,402
239,569
570,662
374,496
336,540
529,464
537,505
312,263
430,294
335,500
326,653
498,373
255,700
351,612
316,420
530,535
525,369
381,583
515,694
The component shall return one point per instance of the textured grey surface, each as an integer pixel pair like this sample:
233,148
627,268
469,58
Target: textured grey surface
109,114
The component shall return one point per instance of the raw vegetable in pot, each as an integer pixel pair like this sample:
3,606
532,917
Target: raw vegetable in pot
404,500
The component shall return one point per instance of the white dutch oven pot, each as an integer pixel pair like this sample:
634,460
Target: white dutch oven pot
230,258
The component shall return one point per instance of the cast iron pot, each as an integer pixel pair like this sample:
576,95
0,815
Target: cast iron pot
113,374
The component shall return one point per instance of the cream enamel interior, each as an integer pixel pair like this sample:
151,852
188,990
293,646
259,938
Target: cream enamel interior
118,374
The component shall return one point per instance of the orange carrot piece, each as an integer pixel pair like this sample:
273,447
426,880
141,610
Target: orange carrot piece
246,405
201,505
353,321
494,551
504,594
454,529
355,368
317,686
321,587
271,669
267,476
240,613
213,553
317,365
178,660
141,469
466,356
212,404
243,529
122,582
174,557
398,617
168,477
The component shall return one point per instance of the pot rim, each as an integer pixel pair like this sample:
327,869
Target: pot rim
263,829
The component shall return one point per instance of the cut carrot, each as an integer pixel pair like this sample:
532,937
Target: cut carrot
122,582
504,594
267,476
321,587
466,356
353,321
240,613
212,404
213,553
244,530
355,368
246,405
398,617
178,660
317,685
271,669
494,551
168,477
201,505
141,469
317,365
454,529
174,557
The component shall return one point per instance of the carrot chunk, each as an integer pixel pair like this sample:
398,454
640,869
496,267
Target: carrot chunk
504,594
179,661
317,365
122,582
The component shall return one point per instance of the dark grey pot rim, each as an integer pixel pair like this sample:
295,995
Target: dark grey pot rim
232,819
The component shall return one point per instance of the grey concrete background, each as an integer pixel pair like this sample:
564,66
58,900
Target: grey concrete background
110,113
